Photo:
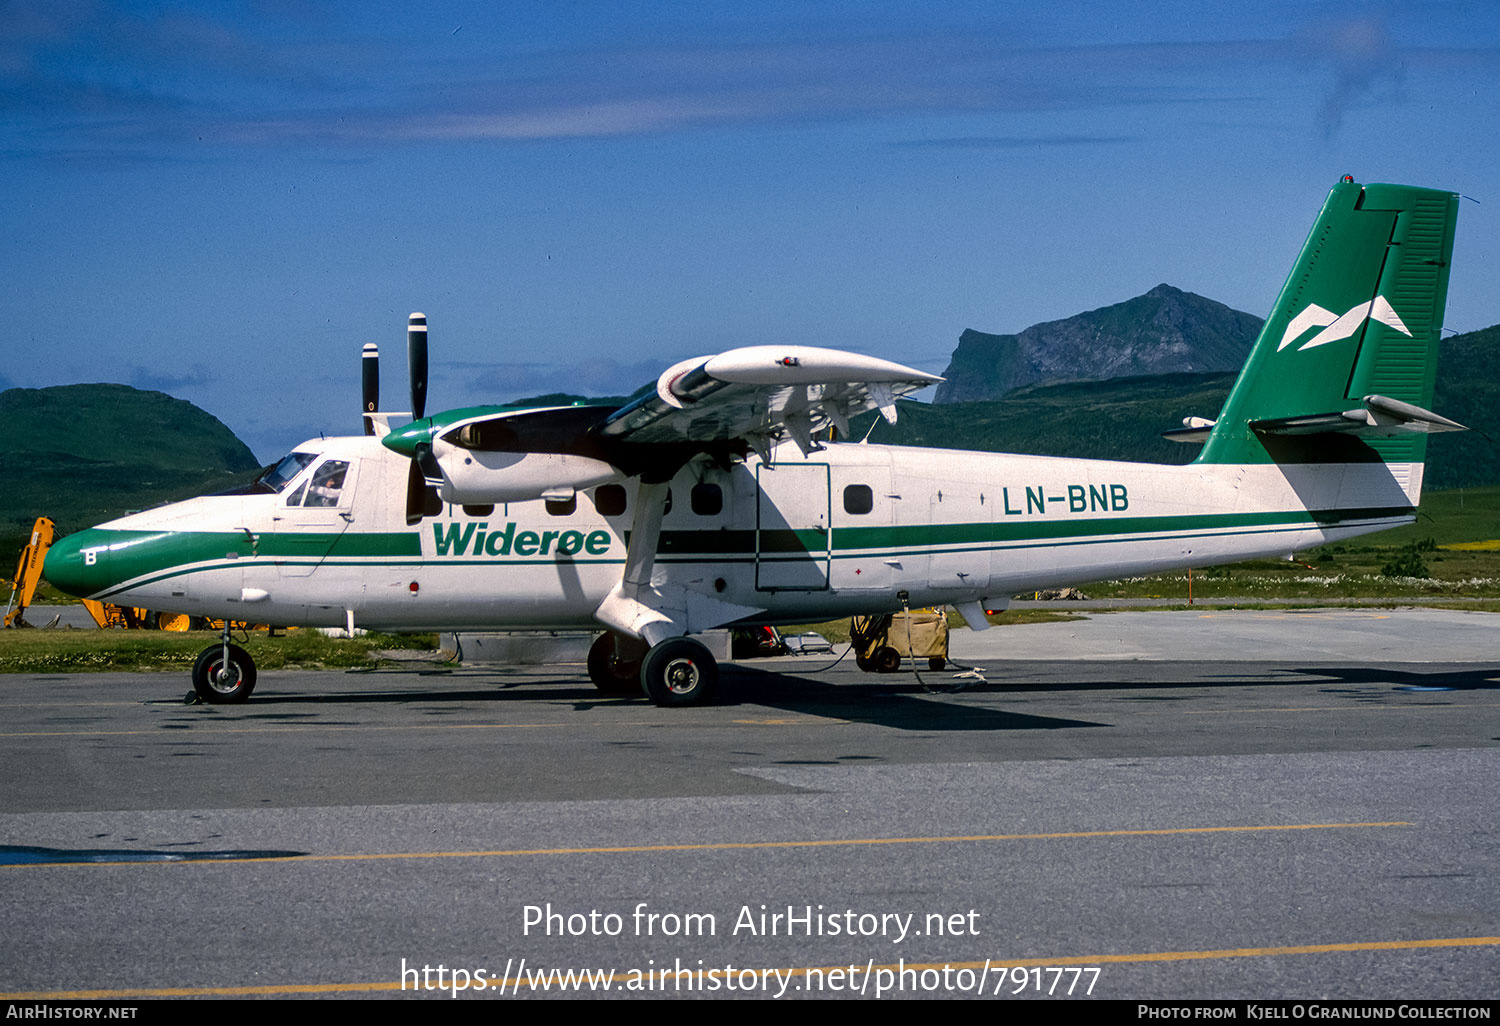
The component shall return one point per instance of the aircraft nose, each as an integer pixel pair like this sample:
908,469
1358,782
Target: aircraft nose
78,563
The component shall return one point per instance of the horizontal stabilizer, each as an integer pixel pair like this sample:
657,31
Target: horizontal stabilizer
1194,429
1377,417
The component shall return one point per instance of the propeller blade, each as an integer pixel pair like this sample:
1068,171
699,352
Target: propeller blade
428,463
416,358
369,383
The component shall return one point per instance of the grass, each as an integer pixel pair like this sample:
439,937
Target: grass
1331,572
93,651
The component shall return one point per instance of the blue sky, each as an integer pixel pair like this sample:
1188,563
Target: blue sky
226,201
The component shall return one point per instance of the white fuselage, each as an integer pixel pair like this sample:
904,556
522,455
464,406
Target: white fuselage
837,533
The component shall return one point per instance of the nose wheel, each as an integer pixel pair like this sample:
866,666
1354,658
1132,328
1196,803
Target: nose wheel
224,675
679,671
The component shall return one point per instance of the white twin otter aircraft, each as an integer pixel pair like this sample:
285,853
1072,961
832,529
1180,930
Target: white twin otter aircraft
711,501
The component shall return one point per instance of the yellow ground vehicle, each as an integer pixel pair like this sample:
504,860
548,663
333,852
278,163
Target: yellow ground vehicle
881,642
29,571
107,614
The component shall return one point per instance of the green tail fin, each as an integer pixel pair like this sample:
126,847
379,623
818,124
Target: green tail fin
1360,316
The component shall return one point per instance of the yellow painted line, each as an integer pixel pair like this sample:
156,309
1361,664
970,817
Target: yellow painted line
718,846
1466,707
494,981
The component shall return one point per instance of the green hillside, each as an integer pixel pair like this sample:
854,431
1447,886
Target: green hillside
81,454
1120,419
1468,391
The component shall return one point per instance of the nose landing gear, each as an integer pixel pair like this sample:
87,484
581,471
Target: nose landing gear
224,674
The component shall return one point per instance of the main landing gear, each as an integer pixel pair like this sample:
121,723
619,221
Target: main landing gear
224,674
677,671
615,663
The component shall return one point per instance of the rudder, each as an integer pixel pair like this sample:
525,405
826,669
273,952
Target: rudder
1343,369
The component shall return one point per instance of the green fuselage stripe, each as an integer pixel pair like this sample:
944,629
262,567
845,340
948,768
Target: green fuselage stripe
139,558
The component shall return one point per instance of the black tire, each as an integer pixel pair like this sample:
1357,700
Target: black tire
228,688
886,660
936,663
615,664
679,671
863,663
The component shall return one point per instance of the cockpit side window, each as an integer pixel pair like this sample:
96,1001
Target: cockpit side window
327,483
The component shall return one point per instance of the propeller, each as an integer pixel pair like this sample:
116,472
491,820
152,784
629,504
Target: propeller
369,382
416,360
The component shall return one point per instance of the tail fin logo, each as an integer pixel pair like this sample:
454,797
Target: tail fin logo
1337,327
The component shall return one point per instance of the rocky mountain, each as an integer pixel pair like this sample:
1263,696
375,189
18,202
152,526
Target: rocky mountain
1165,331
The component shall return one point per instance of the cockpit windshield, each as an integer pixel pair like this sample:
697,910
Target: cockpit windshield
277,477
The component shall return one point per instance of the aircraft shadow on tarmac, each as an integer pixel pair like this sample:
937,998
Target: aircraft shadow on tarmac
1469,678
899,703
1041,678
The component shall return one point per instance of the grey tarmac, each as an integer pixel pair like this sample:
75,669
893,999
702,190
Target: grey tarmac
1252,804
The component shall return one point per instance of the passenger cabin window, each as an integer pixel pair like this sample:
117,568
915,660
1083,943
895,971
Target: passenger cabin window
858,499
707,500
609,500
563,507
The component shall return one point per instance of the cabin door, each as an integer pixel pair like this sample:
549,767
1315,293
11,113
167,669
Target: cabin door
792,527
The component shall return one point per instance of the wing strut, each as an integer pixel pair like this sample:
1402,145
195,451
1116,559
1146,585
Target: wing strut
655,613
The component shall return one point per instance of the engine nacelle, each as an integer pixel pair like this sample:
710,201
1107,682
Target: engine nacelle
476,477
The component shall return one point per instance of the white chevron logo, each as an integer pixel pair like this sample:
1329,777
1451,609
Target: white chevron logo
1337,327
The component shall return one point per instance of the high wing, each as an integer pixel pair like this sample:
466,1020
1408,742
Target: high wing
743,400
761,394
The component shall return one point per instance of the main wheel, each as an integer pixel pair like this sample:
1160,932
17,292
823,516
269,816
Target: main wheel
615,664
936,663
886,659
221,683
679,671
